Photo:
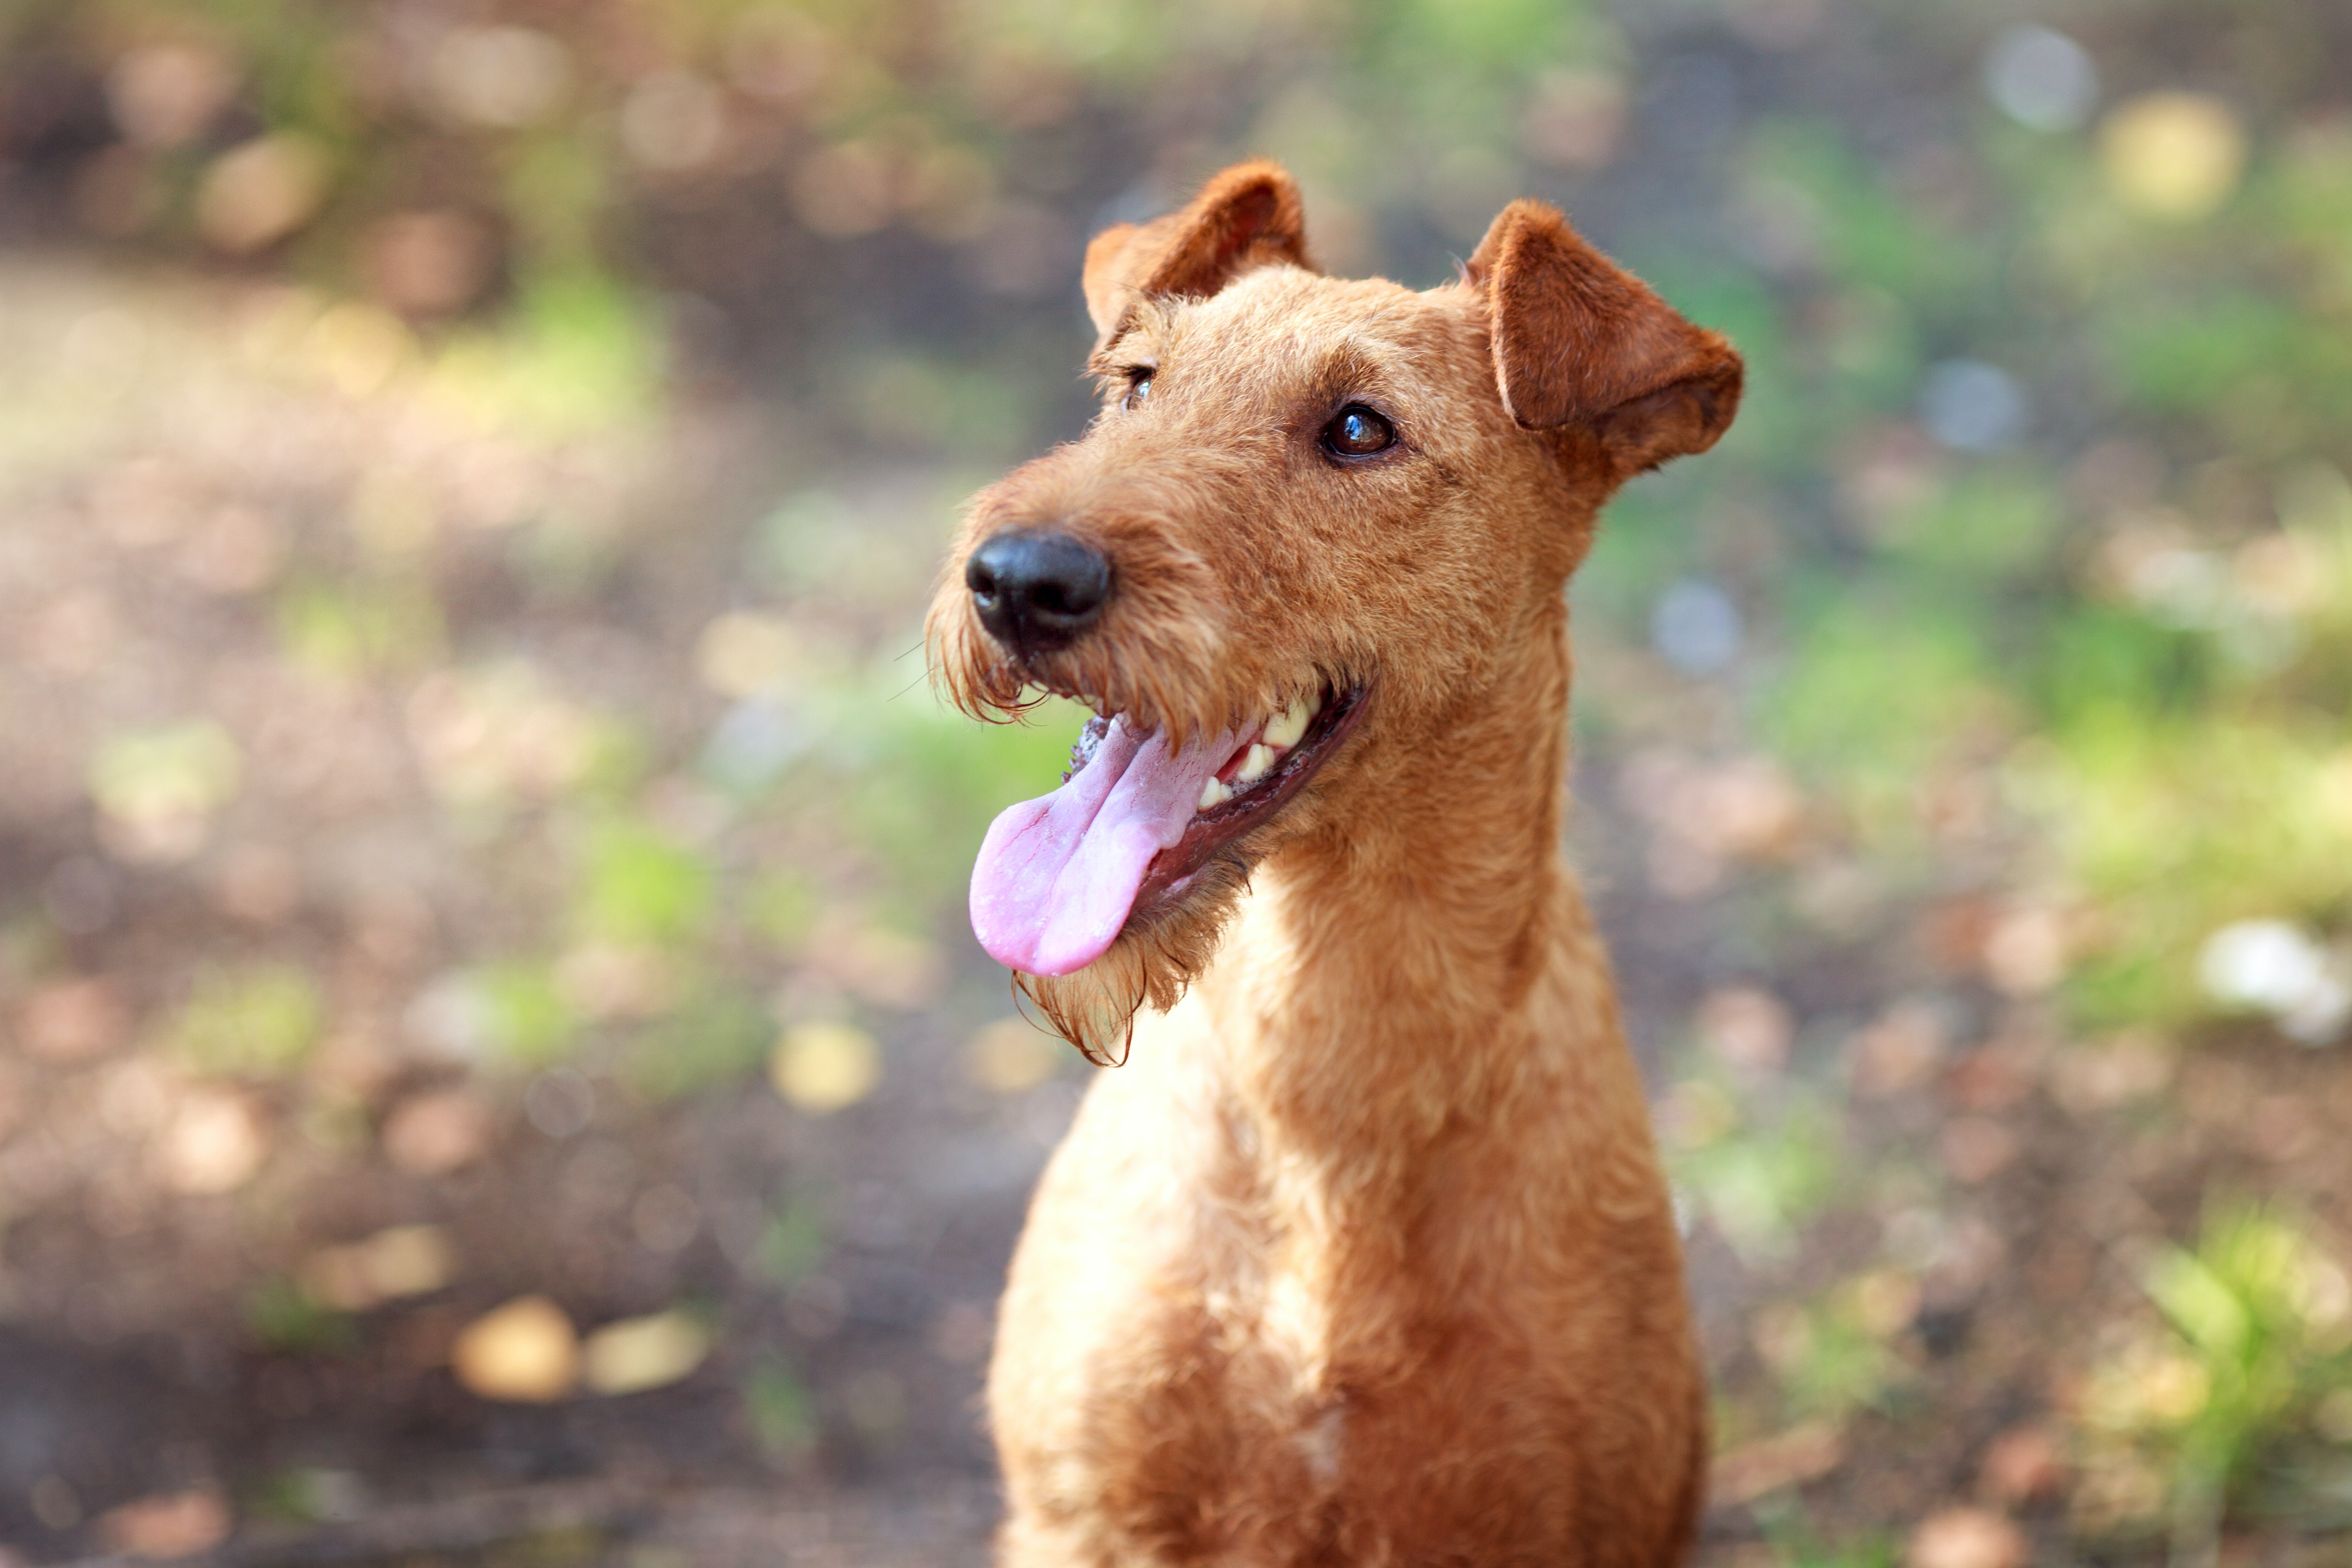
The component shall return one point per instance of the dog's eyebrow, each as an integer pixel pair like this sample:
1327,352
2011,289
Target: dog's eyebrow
1104,360
1349,367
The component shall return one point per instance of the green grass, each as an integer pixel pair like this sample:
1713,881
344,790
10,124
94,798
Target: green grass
2253,1338
253,1023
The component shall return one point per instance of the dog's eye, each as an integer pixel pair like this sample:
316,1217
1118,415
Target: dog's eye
1138,387
1359,432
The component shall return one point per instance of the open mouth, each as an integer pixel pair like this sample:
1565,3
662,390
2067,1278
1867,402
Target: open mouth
1134,820
1259,778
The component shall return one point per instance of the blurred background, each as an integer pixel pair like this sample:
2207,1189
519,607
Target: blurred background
493,1069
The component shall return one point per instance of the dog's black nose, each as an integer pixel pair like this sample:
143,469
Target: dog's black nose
1035,591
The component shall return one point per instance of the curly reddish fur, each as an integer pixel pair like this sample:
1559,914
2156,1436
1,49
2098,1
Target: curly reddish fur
1364,1256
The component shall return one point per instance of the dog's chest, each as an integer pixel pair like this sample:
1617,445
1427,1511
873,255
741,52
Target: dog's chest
1273,1414
1212,1340
1285,1382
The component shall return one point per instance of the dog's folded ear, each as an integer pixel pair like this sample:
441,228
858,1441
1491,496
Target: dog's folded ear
1578,340
1248,216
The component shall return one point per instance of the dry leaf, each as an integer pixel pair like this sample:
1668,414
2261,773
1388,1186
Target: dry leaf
2023,1464
404,1261
1976,1148
2173,155
1792,1457
1748,1028
1966,1538
72,1021
172,1524
525,1351
213,1143
435,1133
823,1067
1011,1055
638,1353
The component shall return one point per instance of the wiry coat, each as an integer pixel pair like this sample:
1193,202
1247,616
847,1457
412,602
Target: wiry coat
1364,1256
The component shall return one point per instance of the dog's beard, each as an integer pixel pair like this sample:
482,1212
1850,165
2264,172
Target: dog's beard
1153,963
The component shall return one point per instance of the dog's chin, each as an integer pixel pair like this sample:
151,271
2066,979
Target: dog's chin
1191,891
1158,955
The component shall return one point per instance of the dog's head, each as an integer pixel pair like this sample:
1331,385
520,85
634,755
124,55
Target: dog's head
1310,518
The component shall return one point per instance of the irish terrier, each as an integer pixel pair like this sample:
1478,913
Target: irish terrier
1365,1256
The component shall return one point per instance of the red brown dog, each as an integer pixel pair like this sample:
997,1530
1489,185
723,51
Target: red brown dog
1364,1256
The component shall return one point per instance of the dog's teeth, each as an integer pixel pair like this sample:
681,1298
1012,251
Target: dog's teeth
1214,794
1285,729
1256,765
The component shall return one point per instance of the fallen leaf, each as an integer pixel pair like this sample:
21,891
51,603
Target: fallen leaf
638,1354
1992,1078
1966,1538
435,1133
257,193
1898,1052
2173,155
743,654
1801,1454
403,1261
2023,1464
2026,952
165,95
169,1524
1011,1055
213,1143
1976,1148
1747,1028
884,968
1885,1302
427,263
525,1351
823,1067
72,1021
612,979
2091,1078
260,883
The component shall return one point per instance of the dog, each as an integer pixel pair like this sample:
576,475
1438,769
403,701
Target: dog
1364,1256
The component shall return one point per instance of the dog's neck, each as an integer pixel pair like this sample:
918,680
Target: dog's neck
1376,997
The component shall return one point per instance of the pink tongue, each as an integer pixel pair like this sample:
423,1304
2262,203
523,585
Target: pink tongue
1056,876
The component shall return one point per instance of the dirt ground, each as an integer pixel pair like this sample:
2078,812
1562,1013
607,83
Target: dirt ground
181,453
492,1067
